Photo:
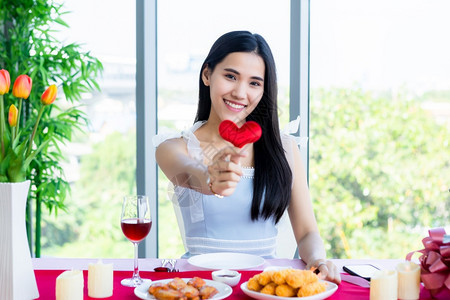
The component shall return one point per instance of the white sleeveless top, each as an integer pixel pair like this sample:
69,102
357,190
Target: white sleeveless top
210,224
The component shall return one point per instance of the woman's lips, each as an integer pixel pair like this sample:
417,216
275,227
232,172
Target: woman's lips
234,106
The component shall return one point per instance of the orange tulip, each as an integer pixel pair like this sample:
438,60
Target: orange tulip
12,116
49,96
5,82
22,87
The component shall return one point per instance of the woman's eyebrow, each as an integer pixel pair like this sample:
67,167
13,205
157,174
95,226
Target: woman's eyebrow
237,73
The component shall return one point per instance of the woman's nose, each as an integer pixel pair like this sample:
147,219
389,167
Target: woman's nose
239,91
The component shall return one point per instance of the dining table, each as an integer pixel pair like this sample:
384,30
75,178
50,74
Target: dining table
47,269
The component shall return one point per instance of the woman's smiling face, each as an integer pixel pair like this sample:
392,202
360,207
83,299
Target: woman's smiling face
236,86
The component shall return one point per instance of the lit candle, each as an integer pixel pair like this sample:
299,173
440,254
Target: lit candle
70,285
383,285
408,280
100,280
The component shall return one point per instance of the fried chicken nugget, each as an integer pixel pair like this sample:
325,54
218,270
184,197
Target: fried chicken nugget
285,290
207,292
279,277
156,286
253,284
312,289
196,282
177,283
169,294
265,277
300,278
269,289
190,292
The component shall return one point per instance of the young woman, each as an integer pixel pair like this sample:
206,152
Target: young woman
231,199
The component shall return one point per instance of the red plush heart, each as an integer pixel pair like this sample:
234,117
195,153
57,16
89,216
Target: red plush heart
250,132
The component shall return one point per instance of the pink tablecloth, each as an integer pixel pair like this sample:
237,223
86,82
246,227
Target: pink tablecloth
47,269
46,280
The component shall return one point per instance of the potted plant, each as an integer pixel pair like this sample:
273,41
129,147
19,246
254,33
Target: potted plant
16,154
27,46
30,164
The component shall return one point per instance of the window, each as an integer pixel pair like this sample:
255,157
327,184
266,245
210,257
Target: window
186,32
379,117
379,127
100,162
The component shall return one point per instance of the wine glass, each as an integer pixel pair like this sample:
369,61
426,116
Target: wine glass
136,222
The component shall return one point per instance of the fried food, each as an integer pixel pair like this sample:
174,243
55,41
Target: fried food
207,292
196,282
190,292
279,277
169,294
157,286
287,283
253,284
300,278
312,289
285,290
178,289
177,283
265,278
269,289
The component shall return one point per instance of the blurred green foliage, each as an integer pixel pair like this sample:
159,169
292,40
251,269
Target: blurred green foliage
378,178
379,169
91,228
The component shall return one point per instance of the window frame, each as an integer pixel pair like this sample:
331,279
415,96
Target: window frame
146,116
147,92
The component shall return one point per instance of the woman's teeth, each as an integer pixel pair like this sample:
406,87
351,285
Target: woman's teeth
234,105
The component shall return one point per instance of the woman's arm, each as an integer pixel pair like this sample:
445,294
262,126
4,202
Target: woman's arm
303,221
182,170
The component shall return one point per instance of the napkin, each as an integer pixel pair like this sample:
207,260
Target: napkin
355,280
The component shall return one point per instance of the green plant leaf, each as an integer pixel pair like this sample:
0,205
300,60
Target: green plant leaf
27,46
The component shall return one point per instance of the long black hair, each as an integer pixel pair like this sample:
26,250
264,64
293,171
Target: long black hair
273,176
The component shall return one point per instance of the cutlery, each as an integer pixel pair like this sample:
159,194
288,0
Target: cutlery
173,263
163,267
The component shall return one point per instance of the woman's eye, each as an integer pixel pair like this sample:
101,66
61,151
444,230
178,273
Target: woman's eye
230,76
255,83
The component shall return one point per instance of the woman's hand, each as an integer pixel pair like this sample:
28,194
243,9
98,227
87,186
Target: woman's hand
328,270
225,171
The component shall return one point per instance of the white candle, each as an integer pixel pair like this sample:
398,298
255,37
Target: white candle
408,280
100,280
70,285
383,285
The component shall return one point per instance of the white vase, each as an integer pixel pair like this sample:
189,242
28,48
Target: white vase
17,280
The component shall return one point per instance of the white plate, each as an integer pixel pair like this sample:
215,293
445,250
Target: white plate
331,288
226,260
224,290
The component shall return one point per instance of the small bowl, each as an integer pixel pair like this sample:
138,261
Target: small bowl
229,277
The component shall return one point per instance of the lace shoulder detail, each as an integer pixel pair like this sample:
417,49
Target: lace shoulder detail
287,139
192,143
291,128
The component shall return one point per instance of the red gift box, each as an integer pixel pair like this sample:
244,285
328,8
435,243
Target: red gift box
435,261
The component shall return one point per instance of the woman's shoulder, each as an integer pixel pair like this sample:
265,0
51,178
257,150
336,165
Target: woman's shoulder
180,141
171,142
170,147
165,135
172,136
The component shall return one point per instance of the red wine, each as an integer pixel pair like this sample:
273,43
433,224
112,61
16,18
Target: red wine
136,229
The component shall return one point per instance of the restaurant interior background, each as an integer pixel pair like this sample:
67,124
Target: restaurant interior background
379,117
